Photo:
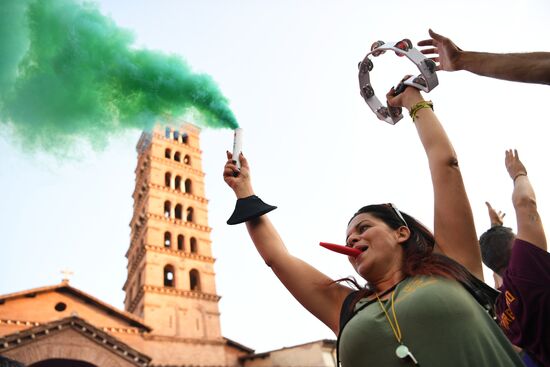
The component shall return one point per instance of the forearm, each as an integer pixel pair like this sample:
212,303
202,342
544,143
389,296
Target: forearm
531,67
265,237
434,139
318,293
530,226
454,227
523,195
314,290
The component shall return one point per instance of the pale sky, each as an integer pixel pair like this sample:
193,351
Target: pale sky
289,69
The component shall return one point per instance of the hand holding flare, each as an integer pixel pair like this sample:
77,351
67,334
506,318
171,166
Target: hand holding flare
350,251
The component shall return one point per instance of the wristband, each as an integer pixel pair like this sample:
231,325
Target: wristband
420,105
249,208
518,175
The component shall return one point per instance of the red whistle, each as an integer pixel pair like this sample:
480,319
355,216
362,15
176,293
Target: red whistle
350,251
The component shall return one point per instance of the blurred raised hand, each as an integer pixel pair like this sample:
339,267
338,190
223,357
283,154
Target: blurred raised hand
497,218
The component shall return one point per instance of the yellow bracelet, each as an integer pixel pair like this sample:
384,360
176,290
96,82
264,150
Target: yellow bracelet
420,105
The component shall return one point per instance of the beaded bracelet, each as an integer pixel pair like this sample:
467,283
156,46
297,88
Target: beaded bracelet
420,105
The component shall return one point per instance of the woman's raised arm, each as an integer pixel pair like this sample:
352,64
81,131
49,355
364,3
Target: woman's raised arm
313,289
454,228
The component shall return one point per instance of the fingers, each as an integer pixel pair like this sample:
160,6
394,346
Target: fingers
429,51
428,42
230,160
229,169
242,159
513,164
512,154
508,154
436,36
432,41
391,98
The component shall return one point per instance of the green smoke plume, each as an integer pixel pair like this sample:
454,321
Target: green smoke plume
67,72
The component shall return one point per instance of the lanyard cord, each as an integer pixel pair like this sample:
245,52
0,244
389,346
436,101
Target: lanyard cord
396,330
347,314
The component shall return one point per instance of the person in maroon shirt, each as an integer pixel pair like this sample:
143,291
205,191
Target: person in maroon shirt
521,266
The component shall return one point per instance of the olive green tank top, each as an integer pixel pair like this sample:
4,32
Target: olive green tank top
440,322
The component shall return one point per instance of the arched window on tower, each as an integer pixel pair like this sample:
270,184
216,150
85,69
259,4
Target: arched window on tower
167,209
177,183
169,276
167,179
178,211
176,135
167,132
167,153
189,216
184,138
167,239
177,157
187,160
188,187
181,240
193,245
194,280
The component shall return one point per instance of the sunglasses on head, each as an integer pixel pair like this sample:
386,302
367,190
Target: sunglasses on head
398,213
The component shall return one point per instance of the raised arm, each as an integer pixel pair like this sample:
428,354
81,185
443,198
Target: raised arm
532,67
530,227
496,218
454,228
313,289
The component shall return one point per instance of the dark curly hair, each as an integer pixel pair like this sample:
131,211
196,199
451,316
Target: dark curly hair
496,246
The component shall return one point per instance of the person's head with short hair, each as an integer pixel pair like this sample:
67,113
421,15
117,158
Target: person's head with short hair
496,247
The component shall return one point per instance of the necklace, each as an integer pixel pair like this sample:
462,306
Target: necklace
402,351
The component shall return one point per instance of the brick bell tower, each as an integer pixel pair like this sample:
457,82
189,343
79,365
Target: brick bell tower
171,280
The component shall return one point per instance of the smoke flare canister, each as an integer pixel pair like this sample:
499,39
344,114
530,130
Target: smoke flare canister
237,145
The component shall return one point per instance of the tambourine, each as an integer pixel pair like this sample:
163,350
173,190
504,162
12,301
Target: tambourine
425,81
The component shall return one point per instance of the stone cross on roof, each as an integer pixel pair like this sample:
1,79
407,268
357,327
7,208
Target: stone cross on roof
66,274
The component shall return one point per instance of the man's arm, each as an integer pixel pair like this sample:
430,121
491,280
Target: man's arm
530,227
532,67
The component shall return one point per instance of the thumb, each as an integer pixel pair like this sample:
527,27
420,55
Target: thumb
488,205
435,36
